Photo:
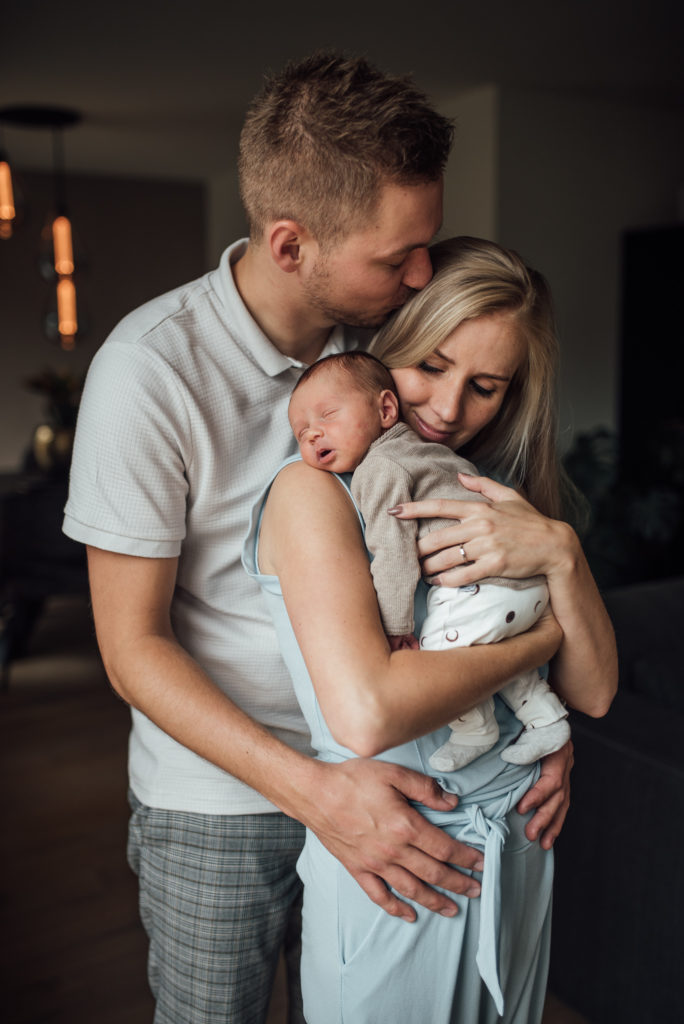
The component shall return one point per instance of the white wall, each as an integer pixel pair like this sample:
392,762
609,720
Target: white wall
574,174
225,217
471,183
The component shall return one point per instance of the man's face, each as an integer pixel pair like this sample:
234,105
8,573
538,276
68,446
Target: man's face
362,279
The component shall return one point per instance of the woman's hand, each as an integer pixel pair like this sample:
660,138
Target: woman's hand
507,537
504,536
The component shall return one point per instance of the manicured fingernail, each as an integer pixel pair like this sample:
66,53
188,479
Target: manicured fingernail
478,865
475,890
450,911
395,511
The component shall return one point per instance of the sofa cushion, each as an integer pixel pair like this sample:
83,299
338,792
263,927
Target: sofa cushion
649,626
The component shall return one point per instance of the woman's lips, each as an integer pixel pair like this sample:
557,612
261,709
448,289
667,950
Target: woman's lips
430,433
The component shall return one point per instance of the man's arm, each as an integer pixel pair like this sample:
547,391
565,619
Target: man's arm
359,809
549,797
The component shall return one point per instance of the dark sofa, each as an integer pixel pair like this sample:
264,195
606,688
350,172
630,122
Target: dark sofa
618,937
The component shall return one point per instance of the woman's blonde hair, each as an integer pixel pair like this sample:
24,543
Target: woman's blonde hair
472,278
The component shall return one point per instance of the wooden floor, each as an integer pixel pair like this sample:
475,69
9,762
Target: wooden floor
74,951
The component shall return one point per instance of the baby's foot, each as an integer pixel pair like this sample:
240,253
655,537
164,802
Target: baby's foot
450,757
535,743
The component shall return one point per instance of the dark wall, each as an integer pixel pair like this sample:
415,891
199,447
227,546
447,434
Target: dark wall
139,237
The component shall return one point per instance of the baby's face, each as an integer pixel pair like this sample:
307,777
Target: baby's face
334,422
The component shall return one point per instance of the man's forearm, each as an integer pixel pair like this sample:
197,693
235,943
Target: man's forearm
358,809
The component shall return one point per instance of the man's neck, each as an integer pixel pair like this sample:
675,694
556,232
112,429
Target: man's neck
277,308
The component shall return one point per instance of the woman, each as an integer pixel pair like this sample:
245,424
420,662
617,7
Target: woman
473,358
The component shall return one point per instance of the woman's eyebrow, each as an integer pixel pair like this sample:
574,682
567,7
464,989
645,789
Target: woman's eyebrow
493,376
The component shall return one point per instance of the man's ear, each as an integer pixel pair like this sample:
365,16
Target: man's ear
389,409
288,241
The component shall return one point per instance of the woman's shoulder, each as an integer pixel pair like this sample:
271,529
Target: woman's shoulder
297,482
310,500
308,504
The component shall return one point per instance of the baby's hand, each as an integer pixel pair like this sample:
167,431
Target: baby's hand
407,642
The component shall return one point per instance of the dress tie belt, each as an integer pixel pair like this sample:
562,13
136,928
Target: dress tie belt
482,823
493,830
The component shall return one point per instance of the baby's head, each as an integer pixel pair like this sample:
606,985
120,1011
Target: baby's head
339,406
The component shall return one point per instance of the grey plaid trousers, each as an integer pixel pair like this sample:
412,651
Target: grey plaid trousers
219,898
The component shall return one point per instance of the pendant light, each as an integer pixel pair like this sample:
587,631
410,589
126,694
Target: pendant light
8,209
57,263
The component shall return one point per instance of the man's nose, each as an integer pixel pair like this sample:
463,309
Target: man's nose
418,270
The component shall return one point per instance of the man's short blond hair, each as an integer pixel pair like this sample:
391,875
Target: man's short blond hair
325,134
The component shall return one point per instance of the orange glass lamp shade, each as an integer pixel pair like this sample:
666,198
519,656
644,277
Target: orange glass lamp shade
67,321
63,246
7,209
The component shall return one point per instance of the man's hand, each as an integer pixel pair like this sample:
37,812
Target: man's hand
550,796
363,817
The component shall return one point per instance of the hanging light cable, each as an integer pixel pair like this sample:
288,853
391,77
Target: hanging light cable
63,251
62,243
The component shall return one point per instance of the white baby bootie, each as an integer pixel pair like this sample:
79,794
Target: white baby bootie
535,743
453,755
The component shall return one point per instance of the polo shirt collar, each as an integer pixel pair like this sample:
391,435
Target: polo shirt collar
245,330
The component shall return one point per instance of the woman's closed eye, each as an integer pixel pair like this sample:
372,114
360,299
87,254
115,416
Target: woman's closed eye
481,390
429,368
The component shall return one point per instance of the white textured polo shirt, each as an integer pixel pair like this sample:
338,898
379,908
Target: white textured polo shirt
182,420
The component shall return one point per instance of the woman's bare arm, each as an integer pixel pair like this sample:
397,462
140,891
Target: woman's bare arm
372,698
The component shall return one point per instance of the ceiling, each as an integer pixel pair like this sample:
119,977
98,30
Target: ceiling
163,85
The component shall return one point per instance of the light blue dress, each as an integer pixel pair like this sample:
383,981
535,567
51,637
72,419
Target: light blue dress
487,964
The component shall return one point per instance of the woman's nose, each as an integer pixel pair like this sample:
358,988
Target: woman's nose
446,402
418,270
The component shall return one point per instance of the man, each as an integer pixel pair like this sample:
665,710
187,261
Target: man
183,418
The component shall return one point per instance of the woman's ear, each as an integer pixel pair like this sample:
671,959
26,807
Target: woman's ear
389,409
288,240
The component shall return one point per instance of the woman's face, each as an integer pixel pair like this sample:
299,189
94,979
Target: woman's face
456,391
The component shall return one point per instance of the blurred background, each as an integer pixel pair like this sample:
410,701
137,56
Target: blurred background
569,148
